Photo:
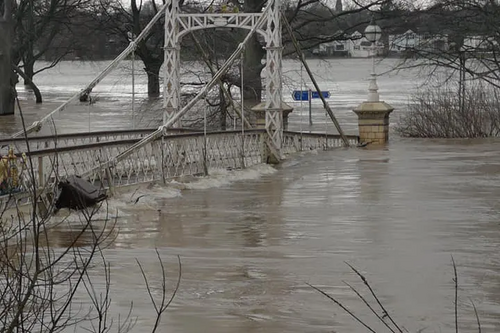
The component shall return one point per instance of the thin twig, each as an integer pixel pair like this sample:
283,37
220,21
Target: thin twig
455,279
342,307
163,306
477,316
381,318
365,281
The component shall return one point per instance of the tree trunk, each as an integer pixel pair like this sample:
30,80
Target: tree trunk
28,81
223,110
153,72
461,83
252,90
29,70
7,76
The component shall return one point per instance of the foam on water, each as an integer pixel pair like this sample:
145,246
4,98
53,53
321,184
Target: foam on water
223,177
146,196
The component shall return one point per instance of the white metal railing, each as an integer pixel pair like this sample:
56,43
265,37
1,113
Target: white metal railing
75,139
165,158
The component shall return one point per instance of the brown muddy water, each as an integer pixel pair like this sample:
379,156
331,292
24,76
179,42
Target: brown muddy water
251,240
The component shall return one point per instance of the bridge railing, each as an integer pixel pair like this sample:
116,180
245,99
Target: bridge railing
75,139
169,157
163,159
296,141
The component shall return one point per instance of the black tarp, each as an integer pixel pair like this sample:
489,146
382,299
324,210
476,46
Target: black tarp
77,193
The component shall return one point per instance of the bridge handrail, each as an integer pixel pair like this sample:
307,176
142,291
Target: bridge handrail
48,151
44,138
313,134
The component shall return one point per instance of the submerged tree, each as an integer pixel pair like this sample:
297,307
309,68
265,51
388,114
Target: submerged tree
45,28
29,31
127,22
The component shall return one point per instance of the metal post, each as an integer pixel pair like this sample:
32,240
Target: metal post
274,111
372,86
205,165
41,178
309,97
373,57
171,63
133,86
242,59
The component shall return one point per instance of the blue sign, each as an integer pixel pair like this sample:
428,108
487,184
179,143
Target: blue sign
303,95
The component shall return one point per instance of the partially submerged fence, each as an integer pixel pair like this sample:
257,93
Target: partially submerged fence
160,160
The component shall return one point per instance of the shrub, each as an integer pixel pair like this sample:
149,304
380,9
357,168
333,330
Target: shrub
437,113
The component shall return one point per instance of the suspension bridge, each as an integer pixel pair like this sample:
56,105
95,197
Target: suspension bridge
127,157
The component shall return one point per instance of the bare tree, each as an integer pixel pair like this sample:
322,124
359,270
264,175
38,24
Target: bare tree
47,283
471,34
313,23
127,22
437,113
43,26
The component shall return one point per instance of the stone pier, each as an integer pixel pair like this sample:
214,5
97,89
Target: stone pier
373,122
373,116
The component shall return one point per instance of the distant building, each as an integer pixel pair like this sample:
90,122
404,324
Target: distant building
359,46
355,45
403,42
411,41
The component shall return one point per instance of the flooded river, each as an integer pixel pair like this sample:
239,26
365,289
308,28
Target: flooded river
251,240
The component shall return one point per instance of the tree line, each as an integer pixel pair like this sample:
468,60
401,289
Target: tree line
53,30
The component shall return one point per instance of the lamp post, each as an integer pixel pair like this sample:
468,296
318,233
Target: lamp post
373,34
373,114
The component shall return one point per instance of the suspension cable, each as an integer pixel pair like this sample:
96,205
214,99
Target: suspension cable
301,102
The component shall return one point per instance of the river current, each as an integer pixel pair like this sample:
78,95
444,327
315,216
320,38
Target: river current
250,241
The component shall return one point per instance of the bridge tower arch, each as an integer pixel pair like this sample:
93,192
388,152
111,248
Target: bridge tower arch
178,24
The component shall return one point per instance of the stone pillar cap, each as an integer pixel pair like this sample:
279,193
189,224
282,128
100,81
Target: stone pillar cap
262,107
374,107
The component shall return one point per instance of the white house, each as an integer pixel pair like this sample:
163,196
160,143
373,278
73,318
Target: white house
360,47
333,48
404,42
412,41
